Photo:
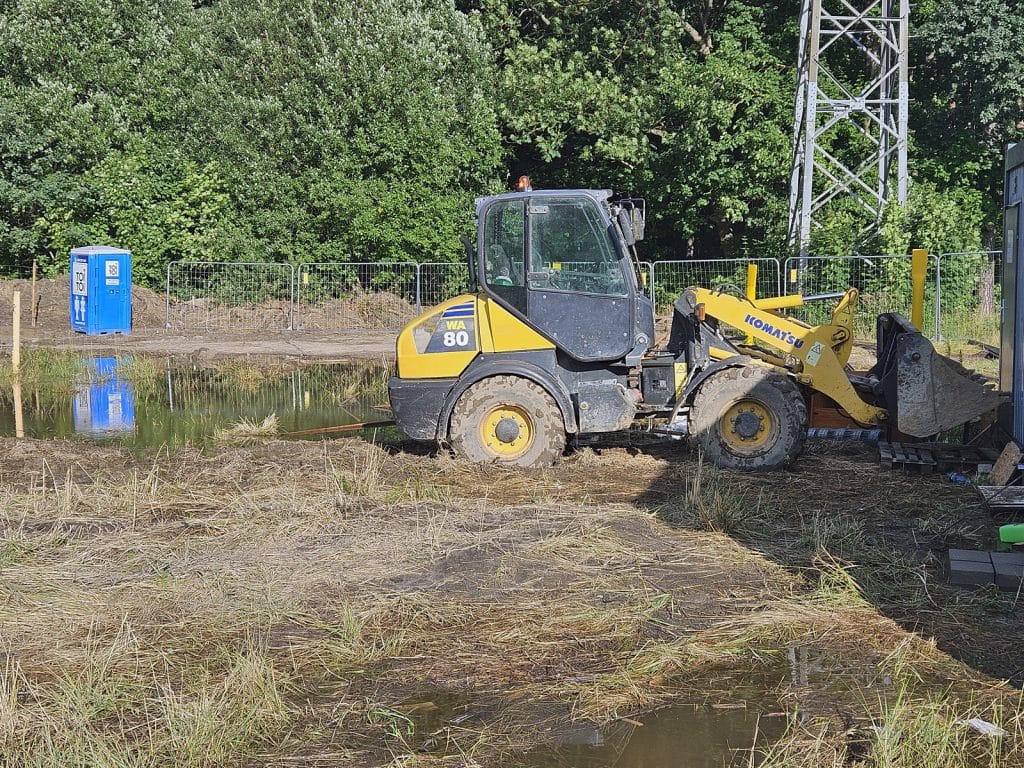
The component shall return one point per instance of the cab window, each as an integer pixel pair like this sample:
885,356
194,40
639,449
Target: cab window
504,234
504,243
570,249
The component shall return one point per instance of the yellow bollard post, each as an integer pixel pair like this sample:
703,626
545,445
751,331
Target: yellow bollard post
751,292
918,272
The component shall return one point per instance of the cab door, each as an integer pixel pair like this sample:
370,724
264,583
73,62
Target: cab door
552,261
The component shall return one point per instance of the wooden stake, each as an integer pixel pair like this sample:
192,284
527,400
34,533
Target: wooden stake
16,350
32,306
19,417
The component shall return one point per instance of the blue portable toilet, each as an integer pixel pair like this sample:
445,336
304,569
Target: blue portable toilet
104,404
100,297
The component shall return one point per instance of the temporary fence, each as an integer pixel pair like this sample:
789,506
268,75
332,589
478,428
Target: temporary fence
883,282
671,278
211,295
439,281
969,295
342,295
962,292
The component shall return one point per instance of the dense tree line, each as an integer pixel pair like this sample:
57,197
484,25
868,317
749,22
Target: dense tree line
320,131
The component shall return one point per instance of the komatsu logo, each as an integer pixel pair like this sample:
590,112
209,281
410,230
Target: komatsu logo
784,336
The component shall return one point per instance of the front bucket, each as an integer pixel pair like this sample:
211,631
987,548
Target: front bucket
928,392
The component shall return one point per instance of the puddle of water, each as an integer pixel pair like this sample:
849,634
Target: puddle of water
686,737
176,404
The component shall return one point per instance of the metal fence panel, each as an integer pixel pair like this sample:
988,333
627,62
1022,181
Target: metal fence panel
883,282
206,295
439,281
344,295
443,280
962,291
671,278
969,296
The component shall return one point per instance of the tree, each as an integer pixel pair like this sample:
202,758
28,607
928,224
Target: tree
82,79
688,104
266,130
968,95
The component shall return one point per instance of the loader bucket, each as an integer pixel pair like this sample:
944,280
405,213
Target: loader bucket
924,392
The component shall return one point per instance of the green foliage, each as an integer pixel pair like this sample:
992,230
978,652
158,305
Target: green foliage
167,208
939,220
969,89
688,104
268,130
318,131
356,131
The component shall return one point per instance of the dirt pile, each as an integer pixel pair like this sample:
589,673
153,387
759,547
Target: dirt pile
360,310
52,307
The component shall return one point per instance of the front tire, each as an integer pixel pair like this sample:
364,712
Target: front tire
750,417
507,420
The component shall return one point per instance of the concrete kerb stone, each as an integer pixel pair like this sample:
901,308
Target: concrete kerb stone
971,568
1009,570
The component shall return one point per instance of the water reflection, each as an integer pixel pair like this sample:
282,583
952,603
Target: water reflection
731,733
103,404
682,737
146,402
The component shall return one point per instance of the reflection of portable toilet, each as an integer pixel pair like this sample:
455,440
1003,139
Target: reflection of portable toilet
101,290
105,404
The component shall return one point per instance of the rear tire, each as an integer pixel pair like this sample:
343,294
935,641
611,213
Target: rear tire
750,417
507,420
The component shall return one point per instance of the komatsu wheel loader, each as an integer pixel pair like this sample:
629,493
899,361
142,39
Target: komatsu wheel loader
558,340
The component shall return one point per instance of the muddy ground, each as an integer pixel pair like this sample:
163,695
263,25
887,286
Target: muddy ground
347,602
291,603
356,331
51,328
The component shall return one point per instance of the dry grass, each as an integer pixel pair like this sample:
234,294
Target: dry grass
280,601
249,431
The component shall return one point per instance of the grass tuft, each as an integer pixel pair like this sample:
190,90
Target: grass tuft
711,502
249,431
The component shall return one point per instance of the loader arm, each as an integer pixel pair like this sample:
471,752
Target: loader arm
817,355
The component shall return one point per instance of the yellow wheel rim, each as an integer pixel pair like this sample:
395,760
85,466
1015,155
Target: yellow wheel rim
507,431
747,427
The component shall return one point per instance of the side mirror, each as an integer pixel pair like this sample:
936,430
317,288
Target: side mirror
638,223
626,225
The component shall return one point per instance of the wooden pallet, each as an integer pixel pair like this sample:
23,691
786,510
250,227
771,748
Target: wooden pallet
962,458
936,457
906,456
1003,498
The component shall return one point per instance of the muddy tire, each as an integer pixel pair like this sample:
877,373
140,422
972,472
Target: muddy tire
507,420
750,417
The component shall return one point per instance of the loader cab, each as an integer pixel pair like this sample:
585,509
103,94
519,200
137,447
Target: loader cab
560,262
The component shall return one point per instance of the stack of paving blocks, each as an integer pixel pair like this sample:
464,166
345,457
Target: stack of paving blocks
972,568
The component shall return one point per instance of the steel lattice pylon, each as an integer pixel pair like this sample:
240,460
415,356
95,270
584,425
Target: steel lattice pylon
850,126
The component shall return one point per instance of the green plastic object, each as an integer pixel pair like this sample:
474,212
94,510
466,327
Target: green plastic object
1011,534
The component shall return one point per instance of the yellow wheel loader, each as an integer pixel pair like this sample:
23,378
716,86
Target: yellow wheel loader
558,340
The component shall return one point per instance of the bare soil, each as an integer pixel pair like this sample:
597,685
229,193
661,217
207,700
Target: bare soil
359,340
300,602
